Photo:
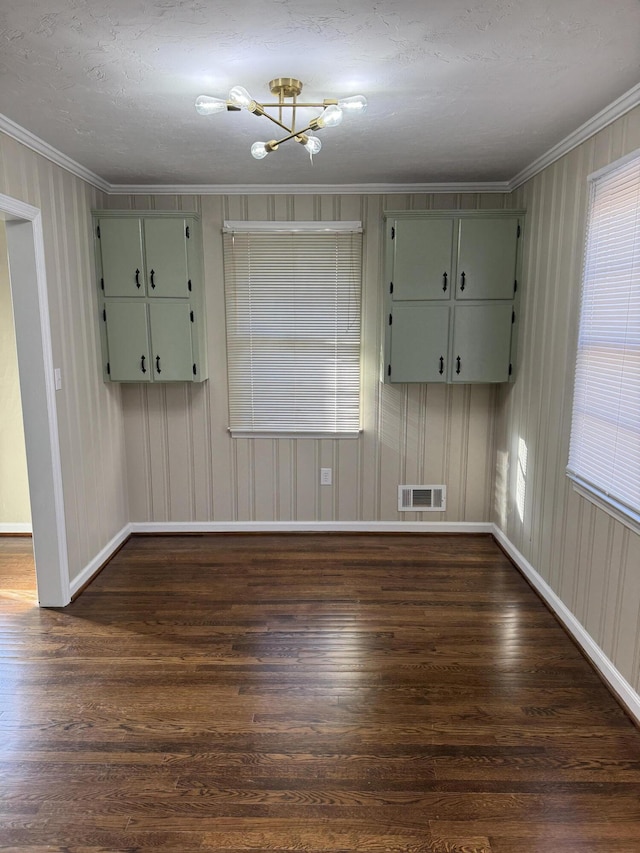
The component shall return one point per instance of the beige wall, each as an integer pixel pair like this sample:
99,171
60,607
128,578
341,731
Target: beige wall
89,413
183,466
590,560
14,488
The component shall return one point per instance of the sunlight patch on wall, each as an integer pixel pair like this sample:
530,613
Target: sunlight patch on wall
521,477
501,488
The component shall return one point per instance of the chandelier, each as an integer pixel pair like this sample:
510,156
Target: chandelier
287,90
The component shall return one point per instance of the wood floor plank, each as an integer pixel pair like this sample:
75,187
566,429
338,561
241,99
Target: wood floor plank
321,693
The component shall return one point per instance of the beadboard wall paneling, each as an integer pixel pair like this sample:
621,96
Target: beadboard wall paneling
183,466
90,420
590,560
14,488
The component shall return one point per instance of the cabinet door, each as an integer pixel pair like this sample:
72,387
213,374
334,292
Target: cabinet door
127,341
422,258
166,255
481,343
487,258
419,338
122,259
171,341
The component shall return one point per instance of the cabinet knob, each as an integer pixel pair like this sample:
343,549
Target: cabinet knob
458,364
151,275
444,281
158,364
137,278
142,367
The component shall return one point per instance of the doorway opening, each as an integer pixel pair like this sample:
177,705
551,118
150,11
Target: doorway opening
17,571
28,283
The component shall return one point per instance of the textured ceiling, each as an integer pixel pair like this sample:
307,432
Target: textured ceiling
458,90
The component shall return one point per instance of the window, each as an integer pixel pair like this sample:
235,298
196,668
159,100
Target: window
604,456
293,327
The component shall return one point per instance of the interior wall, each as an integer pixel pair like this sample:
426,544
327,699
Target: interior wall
588,558
15,511
89,413
183,466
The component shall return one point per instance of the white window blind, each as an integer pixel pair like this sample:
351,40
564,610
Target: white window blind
604,452
292,295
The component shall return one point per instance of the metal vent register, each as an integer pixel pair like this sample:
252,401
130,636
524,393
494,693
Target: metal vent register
422,498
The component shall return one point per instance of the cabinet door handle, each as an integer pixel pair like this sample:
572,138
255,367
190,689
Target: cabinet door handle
137,278
462,280
441,371
151,275
444,281
458,364
158,364
142,367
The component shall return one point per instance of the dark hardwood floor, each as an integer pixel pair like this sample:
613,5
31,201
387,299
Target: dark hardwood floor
305,693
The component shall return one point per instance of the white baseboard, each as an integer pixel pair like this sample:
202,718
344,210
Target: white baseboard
99,560
15,527
161,527
616,682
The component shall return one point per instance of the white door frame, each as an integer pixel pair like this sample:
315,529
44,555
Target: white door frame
27,273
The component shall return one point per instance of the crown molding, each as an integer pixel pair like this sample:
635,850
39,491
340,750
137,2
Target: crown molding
307,189
38,145
613,111
599,121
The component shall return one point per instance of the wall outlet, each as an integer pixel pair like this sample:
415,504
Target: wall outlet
325,476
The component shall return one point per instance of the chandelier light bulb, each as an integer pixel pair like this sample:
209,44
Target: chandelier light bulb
354,104
259,150
240,97
331,117
207,106
313,145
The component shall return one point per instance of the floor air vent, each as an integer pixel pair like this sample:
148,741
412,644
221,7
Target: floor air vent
422,498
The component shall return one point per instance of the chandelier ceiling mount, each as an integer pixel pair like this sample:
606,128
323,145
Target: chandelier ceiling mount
287,90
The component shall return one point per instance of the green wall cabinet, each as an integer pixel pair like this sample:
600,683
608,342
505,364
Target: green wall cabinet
122,257
128,339
422,258
452,285
481,342
149,272
486,257
171,347
420,335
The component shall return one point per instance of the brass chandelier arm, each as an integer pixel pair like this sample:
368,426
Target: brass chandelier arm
291,130
274,120
326,103
293,135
